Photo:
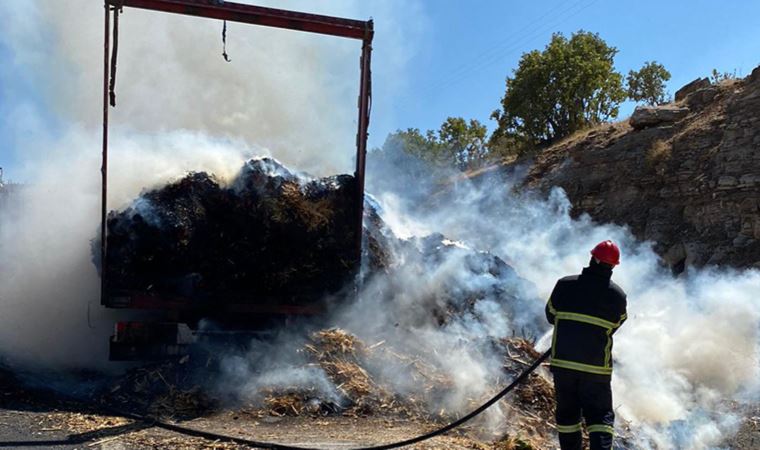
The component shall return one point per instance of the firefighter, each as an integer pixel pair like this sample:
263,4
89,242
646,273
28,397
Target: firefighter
586,310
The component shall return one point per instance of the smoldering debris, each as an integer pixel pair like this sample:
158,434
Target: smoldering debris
268,233
174,390
86,422
183,389
433,281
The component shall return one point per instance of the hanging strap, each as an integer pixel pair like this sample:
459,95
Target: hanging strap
224,43
117,9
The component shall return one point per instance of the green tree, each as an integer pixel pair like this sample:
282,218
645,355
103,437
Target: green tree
458,143
648,83
570,85
465,142
412,141
425,146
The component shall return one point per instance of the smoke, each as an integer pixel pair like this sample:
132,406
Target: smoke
271,365
171,76
450,305
691,345
291,92
49,287
180,108
688,354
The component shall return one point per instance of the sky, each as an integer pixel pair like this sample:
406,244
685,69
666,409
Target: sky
435,59
470,50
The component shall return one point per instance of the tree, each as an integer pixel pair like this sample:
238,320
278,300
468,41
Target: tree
570,85
402,165
648,83
458,143
464,142
412,141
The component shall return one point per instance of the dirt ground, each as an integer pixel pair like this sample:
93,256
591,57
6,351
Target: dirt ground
58,429
36,419
32,419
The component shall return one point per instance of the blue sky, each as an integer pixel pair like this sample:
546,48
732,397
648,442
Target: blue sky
471,49
460,59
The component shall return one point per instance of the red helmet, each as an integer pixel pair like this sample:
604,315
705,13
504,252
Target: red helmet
607,252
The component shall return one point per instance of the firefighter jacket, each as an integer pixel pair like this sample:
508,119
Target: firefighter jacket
585,310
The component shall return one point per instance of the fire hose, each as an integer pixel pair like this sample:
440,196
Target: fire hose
272,446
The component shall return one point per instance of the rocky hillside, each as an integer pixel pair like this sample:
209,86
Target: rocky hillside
685,175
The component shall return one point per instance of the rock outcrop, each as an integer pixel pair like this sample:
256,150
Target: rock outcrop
699,83
685,176
647,116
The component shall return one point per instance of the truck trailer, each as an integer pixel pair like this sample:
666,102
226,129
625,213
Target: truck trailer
173,323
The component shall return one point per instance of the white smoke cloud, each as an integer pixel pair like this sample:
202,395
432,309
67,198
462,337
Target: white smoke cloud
691,344
180,108
292,92
49,287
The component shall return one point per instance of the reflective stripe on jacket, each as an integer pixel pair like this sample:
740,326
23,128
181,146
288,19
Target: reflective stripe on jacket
585,310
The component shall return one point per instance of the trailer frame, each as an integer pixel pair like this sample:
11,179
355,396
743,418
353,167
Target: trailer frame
254,15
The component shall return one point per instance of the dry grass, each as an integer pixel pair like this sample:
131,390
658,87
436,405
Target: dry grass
178,403
536,394
513,443
145,439
350,378
599,135
139,436
659,153
341,355
345,360
314,214
519,346
336,342
165,390
84,423
577,136
290,404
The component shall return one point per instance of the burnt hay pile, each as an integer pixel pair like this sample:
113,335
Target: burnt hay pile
171,389
269,233
352,368
185,389
358,372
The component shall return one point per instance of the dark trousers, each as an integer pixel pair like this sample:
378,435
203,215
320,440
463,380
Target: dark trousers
580,397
